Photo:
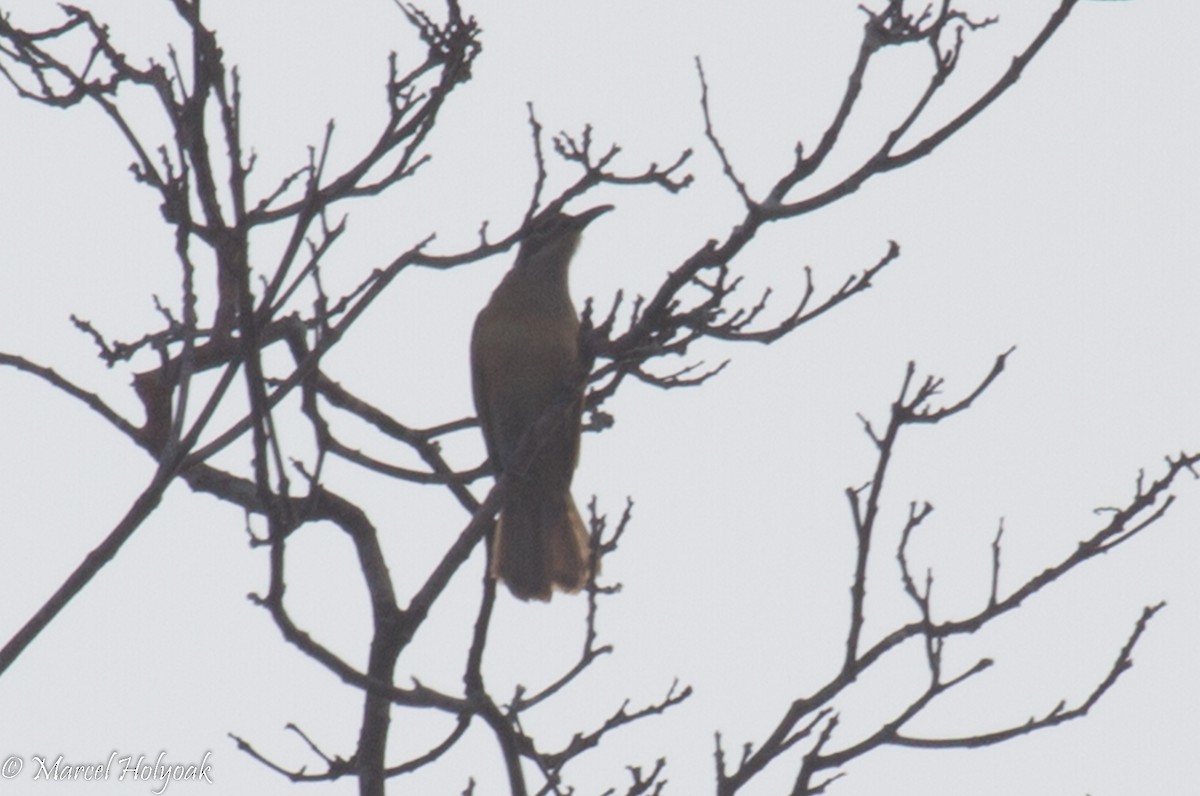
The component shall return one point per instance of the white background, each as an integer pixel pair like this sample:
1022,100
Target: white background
1061,221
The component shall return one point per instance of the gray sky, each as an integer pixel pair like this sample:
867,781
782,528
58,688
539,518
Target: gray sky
1061,221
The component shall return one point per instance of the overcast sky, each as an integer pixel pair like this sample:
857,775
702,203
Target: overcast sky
1063,221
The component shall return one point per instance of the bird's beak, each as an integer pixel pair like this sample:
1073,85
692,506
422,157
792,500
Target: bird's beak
588,216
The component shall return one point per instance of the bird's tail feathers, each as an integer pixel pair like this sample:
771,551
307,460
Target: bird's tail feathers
541,544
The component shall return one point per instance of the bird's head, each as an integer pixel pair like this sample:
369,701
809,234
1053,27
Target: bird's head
554,238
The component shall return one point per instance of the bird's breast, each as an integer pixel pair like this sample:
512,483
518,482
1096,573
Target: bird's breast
536,349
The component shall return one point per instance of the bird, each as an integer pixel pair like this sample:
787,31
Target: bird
526,373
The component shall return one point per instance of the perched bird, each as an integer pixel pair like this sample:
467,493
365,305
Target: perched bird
525,368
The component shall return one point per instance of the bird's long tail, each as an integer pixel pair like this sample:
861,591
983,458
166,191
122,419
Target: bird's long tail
541,543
